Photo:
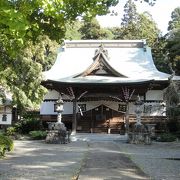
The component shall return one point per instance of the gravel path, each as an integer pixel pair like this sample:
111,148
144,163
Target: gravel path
105,162
161,161
35,160
95,156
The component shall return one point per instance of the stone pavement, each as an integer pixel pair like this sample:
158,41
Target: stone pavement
160,160
36,160
91,156
105,162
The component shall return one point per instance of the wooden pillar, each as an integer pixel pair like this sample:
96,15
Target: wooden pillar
92,123
74,121
127,117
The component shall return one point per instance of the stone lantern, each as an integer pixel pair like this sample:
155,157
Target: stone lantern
58,107
138,110
139,134
57,131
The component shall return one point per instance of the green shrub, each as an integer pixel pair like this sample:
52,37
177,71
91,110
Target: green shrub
173,126
36,135
166,137
11,131
177,133
25,126
6,144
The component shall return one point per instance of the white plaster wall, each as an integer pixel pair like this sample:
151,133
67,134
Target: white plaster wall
9,119
8,112
154,109
47,108
154,95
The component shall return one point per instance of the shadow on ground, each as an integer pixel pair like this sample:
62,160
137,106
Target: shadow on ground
37,160
105,161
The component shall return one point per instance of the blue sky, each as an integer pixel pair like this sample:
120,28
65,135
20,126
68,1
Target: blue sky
161,13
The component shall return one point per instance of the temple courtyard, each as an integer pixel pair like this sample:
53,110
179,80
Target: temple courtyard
91,157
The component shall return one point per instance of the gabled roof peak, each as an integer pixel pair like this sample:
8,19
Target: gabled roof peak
101,51
100,66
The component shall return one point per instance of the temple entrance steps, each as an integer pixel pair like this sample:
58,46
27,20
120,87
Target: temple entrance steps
98,137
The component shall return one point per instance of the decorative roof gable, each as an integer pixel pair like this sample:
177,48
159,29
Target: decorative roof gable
100,66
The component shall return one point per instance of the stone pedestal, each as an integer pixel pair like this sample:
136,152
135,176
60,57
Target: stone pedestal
139,135
139,138
57,134
151,129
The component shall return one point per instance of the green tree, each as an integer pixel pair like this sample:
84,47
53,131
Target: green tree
137,26
91,29
173,41
175,19
142,26
129,29
72,30
159,55
172,92
22,75
22,20
147,29
22,25
116,31
42,51
130,14
173,50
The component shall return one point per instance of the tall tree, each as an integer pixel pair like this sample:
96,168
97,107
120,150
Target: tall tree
159,55
129,21
91,29
147,29
130,14
175,19
72,30
142,26
43,51
22,22
137,26
173,40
